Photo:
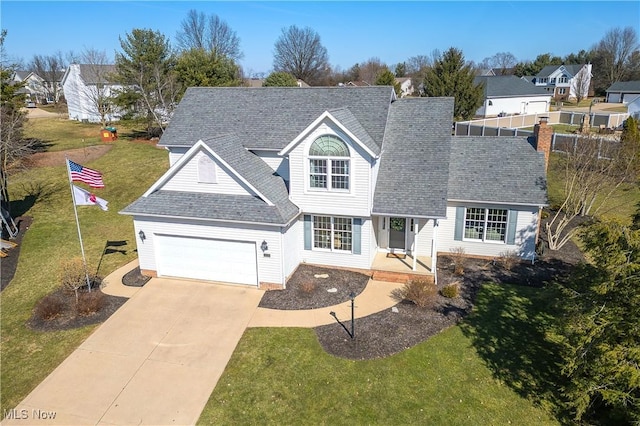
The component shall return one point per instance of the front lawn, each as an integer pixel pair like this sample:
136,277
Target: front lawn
282,376
44,194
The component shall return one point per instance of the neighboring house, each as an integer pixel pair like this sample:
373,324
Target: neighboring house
85,85
511,95
623,92
302,83
633,108
262,180
565,81
34,86
254,82
359,83
406,87
495,71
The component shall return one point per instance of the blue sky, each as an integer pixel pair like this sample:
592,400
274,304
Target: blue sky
352,32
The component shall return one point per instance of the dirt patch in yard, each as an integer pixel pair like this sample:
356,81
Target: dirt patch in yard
57,158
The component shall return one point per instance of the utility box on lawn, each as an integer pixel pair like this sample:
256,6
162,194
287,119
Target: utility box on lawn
109,134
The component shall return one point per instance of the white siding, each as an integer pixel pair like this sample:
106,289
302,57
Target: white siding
347,260
425,235
186,179
293,243
278,164
525,234
516,105
176,153
356,203
79,97
269,268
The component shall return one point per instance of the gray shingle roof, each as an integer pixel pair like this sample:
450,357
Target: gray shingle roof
346,118
93,73
572,69
496,169
226,207
414,167
199,205
625,86
271,117
508,85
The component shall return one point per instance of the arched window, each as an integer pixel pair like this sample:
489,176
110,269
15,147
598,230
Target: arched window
206,169
329,163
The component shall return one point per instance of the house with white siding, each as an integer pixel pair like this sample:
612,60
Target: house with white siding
508,94
565,81
623,92
261,180
88,91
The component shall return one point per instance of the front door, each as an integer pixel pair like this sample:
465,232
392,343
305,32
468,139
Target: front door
397,233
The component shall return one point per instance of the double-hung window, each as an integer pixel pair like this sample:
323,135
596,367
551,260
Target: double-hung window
486,224
329,164
333,233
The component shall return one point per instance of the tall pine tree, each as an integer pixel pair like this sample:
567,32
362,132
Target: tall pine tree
450,75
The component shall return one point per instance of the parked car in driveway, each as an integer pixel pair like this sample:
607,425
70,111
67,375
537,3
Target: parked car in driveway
31,104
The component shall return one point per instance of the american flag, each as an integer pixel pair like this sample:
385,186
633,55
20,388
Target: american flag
91,177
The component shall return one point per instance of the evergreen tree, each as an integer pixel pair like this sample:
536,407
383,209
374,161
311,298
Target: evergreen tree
280,79
601,331
451,76
202,68
386,78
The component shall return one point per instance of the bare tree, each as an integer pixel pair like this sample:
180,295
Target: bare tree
198,31
580,84
591,171
614,53
51,69
501,60
299,52
98,90
370,70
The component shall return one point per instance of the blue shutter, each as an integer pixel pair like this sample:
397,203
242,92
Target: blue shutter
511,226
307,232
457,235
357,233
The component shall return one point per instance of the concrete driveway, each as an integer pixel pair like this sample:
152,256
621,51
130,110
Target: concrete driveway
155,361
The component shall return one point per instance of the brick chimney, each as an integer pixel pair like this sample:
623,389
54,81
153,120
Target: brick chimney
543,134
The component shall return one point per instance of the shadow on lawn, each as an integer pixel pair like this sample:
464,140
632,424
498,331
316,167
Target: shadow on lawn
507,329
34,191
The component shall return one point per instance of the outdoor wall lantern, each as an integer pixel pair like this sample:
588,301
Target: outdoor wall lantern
264,246
142,236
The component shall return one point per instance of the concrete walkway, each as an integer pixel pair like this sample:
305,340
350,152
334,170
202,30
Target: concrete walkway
158,358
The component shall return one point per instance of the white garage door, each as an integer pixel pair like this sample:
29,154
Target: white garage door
206,259
537,107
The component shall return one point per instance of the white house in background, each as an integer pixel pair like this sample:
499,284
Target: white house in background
624,92
565,81
261,180
406,86
34,85
511,95
83,84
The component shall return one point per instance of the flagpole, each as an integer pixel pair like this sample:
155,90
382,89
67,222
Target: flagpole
75,211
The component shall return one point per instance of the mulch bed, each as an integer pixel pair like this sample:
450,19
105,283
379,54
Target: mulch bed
134,278
9,264
306,291
69,317
386,333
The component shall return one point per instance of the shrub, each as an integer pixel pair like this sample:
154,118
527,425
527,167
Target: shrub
450,291
459,260
509,259
421,292
49,307
90,303
308,287
72,276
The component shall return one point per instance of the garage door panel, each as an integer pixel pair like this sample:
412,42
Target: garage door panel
206,259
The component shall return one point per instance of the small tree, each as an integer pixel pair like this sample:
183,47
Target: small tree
280,79
386,78
581,84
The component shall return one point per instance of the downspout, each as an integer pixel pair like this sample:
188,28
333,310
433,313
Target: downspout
415,243
434,252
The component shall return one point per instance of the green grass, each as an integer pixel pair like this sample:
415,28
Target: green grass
282,376
44,194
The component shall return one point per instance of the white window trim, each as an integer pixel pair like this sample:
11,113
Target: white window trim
332,235
484,232
329,188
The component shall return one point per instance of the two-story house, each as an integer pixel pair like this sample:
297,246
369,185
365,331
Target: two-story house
263,179
564,81
87,90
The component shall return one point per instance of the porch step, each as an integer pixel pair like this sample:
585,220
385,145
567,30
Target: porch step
399,277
